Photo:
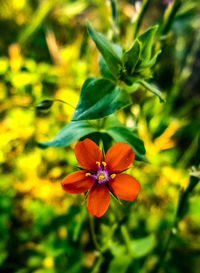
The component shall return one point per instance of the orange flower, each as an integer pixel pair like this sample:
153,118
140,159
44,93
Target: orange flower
101,175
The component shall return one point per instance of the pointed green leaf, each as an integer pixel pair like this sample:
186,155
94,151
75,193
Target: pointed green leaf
122,134
146,39
131,57
70,133
143,73
138,248
120,264
152,89
151,62
99,98
105,71
106,49
118,50
141,247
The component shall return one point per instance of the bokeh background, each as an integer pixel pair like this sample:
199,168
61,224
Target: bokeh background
45,53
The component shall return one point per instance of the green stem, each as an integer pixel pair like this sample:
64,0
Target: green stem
103,122
184,197
169,15
114,19
114,10
77,227
96,244
65,102
98,264
137,24
36,20
184,73
179,214
100,123
126,238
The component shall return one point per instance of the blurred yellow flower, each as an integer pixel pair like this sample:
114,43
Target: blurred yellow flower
163,142
48,262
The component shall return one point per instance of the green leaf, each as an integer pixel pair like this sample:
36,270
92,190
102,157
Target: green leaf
112,121
146,39
141,247
99,98
143,73
44,105
152,89
70,133
138,248
120,264
105,71
122,134
131,57
106,49
151,62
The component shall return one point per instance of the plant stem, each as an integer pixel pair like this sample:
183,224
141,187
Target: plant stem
98,264
65,103
96,244
36,20
126,237
103,122
114,19
169,15
114,10
145,4
179,214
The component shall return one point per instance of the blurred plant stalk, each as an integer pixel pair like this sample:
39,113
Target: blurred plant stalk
169,16
39,16
181,208
137,24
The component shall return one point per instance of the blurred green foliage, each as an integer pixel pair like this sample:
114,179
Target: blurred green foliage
46,55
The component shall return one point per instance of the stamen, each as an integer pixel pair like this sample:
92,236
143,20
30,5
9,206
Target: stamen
104,163
113,175
87,174
98,163
101,177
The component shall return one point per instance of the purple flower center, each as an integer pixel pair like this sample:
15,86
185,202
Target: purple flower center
102,175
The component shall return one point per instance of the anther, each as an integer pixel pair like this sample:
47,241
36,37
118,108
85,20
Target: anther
104,163
113,175
87,174
98,163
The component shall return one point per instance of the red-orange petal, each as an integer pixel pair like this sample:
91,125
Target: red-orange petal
98,200
87,154
77,182
119,157
125,186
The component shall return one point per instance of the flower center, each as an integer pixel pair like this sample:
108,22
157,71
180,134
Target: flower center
102,175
